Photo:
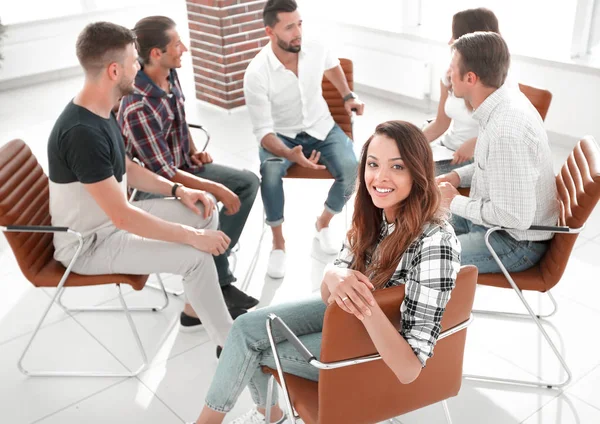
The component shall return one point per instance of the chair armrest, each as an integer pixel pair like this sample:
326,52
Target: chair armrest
291,337
546,228
206,133
35,229
557,229
310,358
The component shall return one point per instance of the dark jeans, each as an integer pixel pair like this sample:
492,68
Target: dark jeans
515,255
243,183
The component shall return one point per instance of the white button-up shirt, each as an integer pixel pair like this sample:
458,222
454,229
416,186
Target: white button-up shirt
512,180
281,102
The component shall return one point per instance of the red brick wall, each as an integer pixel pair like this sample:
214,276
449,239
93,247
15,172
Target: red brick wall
224,36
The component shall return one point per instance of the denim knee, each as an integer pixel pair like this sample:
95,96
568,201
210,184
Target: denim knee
349,173
272,171
250,329
252,183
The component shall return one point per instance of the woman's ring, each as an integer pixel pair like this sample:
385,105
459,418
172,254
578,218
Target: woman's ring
344,298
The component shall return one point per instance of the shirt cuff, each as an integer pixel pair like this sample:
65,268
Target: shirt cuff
260,134
421,354
465,174
459,206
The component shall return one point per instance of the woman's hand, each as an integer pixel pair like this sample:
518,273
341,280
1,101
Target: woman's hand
465,152
351,290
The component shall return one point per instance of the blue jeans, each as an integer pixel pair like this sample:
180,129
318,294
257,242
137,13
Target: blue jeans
247,349
243,183
515,255
445,166
336,154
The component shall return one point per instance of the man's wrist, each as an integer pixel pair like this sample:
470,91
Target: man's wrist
349,96
176,188
456,178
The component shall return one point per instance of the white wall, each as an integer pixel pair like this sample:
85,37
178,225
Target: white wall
41,50
576,89
34,52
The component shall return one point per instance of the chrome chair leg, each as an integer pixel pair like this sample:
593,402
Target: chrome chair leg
534,317
447,412
520,315
286,394
269,399
134,331
250,272
158,308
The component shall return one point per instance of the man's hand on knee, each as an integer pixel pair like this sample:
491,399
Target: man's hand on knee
296,155
214,242
190,197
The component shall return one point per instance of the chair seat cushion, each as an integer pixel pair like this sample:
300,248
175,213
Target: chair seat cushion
530,279
51,273
297,171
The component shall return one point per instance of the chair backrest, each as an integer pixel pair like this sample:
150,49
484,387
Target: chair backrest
538,97
335,101
370,392
24,200
578,184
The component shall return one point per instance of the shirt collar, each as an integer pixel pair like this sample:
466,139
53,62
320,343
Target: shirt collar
386,227
144,85
276,63
485,109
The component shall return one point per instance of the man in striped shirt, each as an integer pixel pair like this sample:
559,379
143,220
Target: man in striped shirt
512,181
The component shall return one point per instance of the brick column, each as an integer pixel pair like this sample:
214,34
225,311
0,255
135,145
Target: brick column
225,35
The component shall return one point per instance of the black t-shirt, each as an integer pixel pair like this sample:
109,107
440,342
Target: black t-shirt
84,147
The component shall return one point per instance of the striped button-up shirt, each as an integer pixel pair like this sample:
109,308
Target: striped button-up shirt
428,268
154,126
512,180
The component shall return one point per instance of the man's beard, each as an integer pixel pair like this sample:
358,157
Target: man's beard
125,87
287,46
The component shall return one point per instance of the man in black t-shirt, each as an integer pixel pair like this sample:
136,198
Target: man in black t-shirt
89,175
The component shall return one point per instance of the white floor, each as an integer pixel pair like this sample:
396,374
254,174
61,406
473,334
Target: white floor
173,388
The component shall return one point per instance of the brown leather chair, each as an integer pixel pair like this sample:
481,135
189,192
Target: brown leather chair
368,391
538,97
340,116
25,221
578,186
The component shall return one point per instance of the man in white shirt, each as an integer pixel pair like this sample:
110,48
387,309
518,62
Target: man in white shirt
512,181
292,122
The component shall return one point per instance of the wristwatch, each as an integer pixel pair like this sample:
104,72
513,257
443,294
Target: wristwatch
350,95
174,190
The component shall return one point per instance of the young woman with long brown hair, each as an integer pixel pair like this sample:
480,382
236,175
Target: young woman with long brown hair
398,236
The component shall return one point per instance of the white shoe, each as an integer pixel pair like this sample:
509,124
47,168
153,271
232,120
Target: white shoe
326,242
254,417
276,268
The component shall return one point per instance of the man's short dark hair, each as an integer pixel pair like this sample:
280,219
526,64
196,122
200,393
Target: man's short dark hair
151,34
273,7
102,43
486,55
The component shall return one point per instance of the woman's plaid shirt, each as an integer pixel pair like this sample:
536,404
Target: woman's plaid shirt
428,268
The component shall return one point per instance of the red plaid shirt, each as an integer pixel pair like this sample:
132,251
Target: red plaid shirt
154,126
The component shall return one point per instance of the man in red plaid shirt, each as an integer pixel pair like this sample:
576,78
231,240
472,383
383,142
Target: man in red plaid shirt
155,130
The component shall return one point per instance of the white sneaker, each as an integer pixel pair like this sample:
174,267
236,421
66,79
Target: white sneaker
254,417
326,242
276,268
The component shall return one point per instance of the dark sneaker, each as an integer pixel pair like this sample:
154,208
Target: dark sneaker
235,298
189,324
219,350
